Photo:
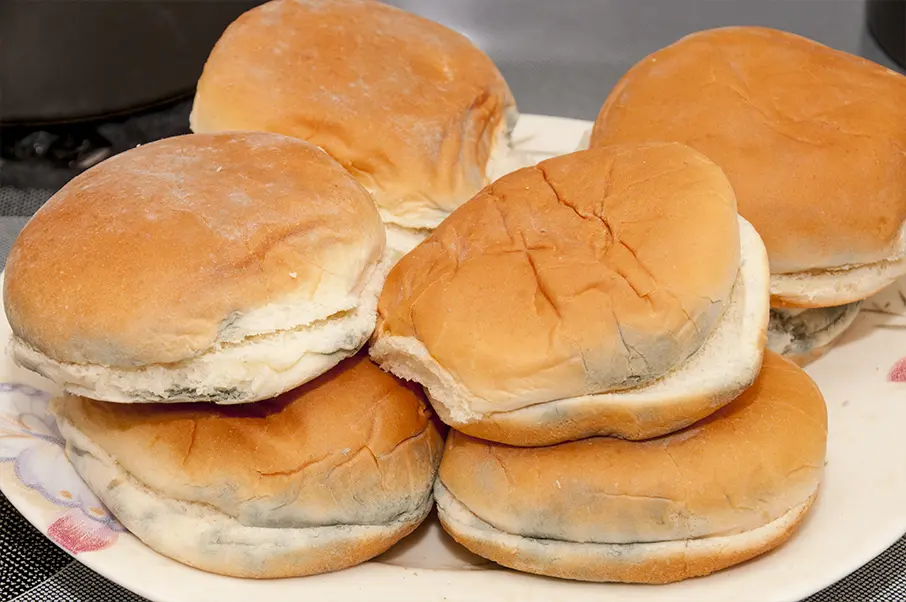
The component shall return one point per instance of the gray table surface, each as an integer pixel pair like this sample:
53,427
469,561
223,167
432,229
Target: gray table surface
561,57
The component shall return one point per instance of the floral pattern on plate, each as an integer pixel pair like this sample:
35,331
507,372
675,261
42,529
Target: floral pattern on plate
29,439
897,374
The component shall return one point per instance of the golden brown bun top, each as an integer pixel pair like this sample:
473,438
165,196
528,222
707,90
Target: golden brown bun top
811,138
738,469
352,442
407,105
588,272
147,257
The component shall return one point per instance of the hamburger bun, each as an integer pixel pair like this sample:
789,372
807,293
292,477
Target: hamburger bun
720,492
183,271
611,291
418,114
320,478
811,139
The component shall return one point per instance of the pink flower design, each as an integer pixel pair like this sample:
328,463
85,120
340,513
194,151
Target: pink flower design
897,374
30,440
76,533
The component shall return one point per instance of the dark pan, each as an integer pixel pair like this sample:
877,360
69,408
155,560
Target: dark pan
71,61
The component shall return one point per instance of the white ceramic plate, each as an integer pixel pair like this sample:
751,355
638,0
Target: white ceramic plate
860,512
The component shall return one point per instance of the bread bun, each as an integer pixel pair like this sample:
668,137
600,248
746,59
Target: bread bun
599,292
720,492
811,139
417,113
184,271
323,477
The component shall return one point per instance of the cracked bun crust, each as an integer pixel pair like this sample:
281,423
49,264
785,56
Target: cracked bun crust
594,272
811,138
183,271
414,110
715,494
351,454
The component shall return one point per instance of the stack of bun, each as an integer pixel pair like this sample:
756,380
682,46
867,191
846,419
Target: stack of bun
607,292
720,492
168,288
812,140
593,328
202,301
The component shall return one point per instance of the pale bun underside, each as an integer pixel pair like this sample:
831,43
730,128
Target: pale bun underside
826,288
814,346
200,536
251,369
725,365
653,563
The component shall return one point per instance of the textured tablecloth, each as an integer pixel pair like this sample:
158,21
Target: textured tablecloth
560,57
